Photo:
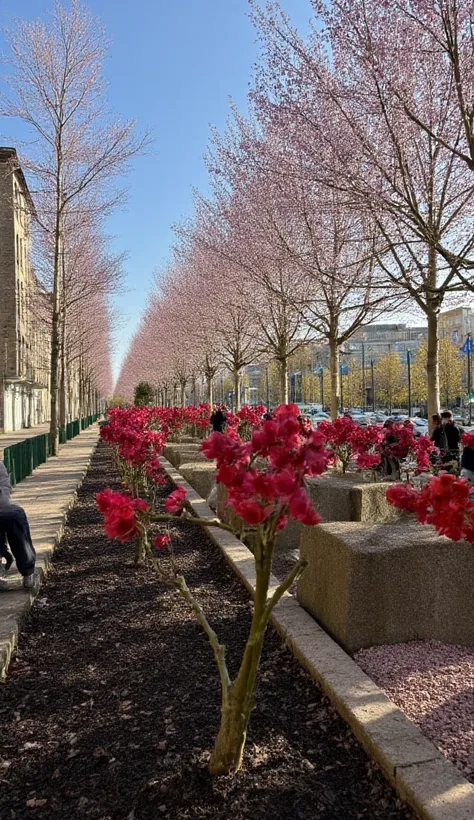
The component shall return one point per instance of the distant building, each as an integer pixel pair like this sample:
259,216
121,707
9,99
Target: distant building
375,341
24,337
456,324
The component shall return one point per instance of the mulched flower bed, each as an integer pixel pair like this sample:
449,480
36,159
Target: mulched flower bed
111,703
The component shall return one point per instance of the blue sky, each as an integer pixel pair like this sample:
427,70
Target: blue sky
173,66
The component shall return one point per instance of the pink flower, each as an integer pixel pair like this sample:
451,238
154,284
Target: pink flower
468,440
120,514
300,509
367,461
252,512
175,501
161,541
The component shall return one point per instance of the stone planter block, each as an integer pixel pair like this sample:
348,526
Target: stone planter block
342,498
200,475
387,583
350,498
178,454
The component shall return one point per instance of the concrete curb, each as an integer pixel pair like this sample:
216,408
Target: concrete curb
47,529
425,779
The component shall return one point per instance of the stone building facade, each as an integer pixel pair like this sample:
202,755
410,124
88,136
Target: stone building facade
24,332
456,324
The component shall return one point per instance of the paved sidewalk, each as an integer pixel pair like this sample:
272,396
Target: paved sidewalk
46,495
7,439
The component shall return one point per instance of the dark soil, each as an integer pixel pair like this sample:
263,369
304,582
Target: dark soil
111,703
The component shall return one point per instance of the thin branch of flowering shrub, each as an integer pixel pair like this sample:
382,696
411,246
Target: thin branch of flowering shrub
264,478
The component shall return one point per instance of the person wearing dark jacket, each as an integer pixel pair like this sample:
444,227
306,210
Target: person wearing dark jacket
218,419
5,488
14,525
447,437
467,464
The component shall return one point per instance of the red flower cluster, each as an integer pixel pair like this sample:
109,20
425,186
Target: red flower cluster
348,440
161,542
132,431
284,456
446,502
468,440
175,501
129,430
367,445
120,514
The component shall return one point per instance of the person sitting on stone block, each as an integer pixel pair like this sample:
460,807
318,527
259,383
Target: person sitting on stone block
14,525
6,487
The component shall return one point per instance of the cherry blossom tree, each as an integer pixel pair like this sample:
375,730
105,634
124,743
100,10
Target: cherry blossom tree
57,89
224,294
337,88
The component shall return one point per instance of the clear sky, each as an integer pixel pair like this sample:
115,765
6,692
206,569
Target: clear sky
173,66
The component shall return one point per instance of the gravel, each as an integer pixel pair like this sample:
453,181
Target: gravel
434,685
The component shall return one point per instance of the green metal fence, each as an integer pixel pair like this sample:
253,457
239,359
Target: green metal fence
22,458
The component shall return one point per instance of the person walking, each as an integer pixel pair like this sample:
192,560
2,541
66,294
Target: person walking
219,419
447,438
14,525
5,487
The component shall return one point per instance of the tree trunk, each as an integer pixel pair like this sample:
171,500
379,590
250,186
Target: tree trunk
210,389
237,381
55,340
335,383
283,368
432,365
183,393
62,382
235,714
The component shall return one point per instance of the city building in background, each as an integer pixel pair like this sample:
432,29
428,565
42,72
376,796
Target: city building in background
24,336
374,341
456,324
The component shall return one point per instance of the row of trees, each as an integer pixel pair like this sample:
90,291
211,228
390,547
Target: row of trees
56,88
346,193
385,383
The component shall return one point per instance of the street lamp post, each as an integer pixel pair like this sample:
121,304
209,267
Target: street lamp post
321,386
342,389
467,348
364,390
373,384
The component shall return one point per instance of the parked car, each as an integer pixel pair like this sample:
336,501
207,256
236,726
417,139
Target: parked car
420,427
318,418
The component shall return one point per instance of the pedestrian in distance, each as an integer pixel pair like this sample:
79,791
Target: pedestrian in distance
447,438
219,419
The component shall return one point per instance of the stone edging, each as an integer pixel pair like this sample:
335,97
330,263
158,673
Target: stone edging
421,775
23,602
